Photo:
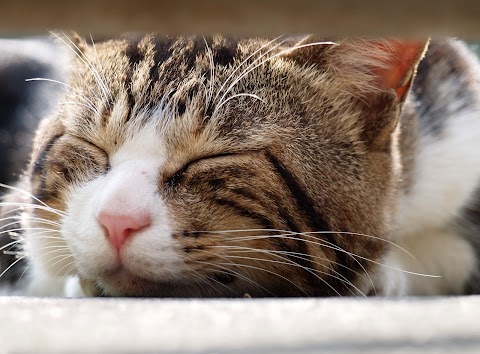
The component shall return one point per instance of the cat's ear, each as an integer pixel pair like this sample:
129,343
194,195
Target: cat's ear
376,73
391,63
380,65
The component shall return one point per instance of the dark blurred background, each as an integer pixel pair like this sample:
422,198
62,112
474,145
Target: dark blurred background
23,104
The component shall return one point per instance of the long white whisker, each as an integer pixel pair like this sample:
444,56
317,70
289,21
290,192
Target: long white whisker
288,236
11,265
69,270
16,242
26,229
236,273
242,249
336,247
249,66
85,60
66,265
291,263
32,206
102,70
240,95
6,186
212,75
322,243
18,220
307,233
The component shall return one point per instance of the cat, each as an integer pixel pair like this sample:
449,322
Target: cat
230,167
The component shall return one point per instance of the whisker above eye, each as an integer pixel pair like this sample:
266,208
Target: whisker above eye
249,66
240,95
103,88
212,76
250,69
102,69
242,63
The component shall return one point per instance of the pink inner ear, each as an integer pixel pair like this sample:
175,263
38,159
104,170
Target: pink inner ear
398,71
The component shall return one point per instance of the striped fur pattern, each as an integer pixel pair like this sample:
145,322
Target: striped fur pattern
271,167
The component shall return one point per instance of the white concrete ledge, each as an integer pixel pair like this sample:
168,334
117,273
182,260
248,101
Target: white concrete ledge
411,325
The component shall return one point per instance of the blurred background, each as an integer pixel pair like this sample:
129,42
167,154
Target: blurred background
22,103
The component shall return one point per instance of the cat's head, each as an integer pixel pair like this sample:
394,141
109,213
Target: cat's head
221,166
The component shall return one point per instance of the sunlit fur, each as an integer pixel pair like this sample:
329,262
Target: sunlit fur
271,167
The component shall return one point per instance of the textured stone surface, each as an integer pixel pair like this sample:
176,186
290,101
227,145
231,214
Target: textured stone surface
411,325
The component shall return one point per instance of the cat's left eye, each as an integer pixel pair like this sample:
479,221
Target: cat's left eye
177,177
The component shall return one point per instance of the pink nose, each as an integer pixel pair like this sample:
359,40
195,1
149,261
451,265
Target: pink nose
120,227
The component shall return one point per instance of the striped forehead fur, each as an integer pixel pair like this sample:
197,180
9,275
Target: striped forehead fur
189,82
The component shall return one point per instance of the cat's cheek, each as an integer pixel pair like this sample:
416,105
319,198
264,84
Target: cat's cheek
47,250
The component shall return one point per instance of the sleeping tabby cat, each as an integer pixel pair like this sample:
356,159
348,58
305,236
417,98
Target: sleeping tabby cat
216,167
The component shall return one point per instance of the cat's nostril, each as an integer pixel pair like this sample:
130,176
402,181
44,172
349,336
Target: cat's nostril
119,226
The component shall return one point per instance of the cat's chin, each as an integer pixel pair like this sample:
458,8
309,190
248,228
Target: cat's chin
125,284
121,282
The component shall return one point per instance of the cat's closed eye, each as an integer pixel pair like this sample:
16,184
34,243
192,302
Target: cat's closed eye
175,178
68,159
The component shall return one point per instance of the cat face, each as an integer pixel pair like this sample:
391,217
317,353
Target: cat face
221,166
